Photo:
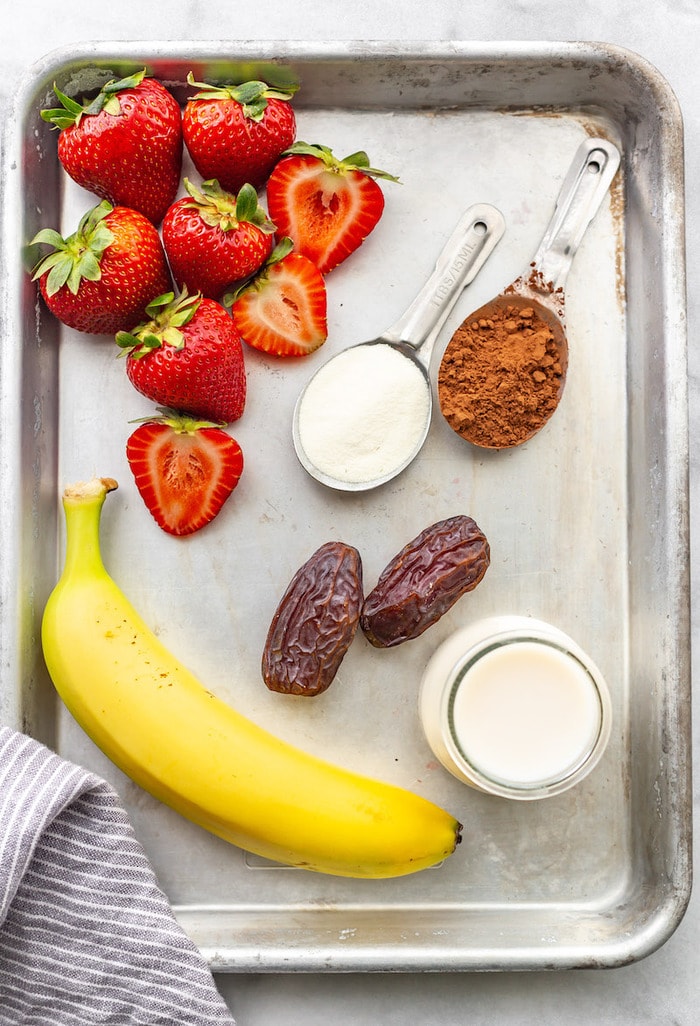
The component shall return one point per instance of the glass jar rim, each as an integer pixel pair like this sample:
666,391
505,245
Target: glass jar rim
575,771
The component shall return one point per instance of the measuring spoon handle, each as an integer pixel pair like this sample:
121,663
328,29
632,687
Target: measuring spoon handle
586,183
463,256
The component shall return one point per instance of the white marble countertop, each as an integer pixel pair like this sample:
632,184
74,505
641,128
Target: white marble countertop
664,987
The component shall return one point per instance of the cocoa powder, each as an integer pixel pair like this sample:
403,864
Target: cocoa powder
501,375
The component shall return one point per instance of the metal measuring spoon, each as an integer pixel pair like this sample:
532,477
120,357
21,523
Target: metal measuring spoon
482,413
356,438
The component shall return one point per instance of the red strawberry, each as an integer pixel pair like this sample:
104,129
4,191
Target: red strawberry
184,469
188,357
326,206
282,310
213,238
236,133
125,145
101,278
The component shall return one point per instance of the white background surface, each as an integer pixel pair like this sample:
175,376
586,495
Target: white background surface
664,988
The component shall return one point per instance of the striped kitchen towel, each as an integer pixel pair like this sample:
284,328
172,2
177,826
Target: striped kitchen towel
86,934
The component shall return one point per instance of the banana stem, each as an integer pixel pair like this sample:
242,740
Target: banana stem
83,503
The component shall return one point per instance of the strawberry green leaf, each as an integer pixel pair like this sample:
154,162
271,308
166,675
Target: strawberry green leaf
149,341
86,266
180,422
58,276
253,98
247,203
221,209
252,95
249,92
358,161
130,82
248,209
100,238
77,257
71,111
209,192
174,337
182,315
126,341
283,248
92,218
215,206
112,106
67,114
168,315
48,236
159,302
310,150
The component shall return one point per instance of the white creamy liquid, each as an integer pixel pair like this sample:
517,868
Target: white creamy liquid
526,714
363,413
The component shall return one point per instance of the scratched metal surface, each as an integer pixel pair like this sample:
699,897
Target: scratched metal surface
587,522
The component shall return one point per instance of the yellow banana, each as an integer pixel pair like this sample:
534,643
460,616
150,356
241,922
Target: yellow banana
159,725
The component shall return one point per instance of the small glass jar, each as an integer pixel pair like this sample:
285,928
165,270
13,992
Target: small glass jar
514,707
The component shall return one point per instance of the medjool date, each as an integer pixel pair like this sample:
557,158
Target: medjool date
315,622
424,580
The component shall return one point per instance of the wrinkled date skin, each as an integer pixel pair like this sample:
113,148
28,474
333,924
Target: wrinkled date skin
424,580
315,622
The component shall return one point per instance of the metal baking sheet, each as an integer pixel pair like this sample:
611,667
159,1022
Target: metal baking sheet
588,522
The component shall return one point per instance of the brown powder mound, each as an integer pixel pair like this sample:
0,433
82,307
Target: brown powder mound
501,376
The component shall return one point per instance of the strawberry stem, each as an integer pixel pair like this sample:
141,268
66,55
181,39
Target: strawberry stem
71,111
182,423
167,315
283,248
77,257
221,209
358,161
252,95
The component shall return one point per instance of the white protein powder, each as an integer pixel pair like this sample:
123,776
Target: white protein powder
363,413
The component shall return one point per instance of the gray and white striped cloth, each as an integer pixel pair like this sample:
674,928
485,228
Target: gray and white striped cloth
87,936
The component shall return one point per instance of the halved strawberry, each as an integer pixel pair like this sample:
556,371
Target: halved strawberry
185,470
283,309
326,206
